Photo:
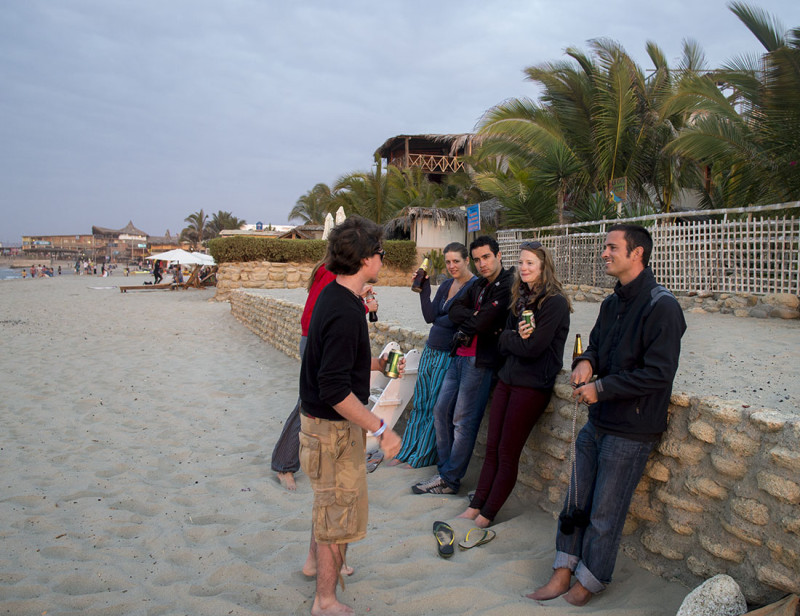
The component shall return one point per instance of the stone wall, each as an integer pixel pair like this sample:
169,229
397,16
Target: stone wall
267,275
720,493
772,305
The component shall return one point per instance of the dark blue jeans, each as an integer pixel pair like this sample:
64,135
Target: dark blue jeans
608,469
457,416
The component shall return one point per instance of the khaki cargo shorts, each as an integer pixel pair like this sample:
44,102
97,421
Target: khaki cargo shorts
332,456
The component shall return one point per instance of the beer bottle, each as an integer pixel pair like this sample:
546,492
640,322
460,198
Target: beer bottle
419,277
577,350
372,316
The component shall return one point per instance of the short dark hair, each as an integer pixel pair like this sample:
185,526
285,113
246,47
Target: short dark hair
456,247
635,236
350,242
485,240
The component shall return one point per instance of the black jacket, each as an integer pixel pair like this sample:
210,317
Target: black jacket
536,362
634,349
489,321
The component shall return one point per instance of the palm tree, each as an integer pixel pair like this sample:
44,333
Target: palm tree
746,119
599,118
197,231
314,205
223,220
367,194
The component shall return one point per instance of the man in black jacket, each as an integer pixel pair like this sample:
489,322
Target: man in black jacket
480,316
633,349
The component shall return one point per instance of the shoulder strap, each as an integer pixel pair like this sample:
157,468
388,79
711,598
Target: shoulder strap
657,292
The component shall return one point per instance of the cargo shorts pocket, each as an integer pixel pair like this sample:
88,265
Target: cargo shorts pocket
310,454
336,514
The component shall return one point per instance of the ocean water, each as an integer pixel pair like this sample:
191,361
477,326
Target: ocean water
6,273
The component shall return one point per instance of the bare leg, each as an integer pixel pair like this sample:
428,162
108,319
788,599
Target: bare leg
310,566
578,595
470,514
287,481
555,587
329,563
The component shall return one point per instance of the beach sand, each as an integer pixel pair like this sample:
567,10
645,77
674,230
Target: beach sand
137,432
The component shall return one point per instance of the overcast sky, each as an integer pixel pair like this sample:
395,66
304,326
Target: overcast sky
149,110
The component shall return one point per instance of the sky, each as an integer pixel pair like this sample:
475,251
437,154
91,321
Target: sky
150,110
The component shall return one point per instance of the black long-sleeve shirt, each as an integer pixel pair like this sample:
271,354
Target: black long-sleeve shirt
338,358
537,360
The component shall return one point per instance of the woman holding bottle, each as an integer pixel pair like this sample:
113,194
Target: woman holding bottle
419,439
533,358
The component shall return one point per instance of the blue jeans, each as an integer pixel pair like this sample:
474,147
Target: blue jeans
457,416
608,469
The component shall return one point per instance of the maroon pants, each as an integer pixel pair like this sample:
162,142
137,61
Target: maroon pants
513,414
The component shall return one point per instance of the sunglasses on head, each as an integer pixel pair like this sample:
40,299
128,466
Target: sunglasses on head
530,246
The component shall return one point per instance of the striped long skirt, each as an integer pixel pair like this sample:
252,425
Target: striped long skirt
419,439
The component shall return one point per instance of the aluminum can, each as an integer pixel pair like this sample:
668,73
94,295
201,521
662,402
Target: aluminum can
392,368
527,316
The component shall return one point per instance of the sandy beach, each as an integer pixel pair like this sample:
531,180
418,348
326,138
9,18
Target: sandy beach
135,454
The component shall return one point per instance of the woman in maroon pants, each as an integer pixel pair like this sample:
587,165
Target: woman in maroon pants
533,357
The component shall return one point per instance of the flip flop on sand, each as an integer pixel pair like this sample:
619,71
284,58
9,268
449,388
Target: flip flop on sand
374,458
475,537
445,536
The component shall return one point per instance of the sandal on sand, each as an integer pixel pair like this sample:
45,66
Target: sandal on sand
374,458
476,537
445,536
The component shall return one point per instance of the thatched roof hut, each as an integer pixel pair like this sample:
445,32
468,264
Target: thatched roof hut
402,225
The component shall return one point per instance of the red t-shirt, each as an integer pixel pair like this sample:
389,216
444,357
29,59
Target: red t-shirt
321,280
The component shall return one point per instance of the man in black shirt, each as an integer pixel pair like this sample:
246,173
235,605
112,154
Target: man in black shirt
334,388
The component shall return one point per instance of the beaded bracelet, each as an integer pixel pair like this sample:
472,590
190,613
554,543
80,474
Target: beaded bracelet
380,430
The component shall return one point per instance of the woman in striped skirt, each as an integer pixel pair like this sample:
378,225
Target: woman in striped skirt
419,439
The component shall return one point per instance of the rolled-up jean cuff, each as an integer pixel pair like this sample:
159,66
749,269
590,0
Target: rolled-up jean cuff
565,561
587,580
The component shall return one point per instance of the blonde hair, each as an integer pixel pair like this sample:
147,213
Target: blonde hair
549,284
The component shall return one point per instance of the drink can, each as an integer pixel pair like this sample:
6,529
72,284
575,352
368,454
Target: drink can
527,316
392,368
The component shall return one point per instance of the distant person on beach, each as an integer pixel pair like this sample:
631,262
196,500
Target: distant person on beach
59,270
480,315
419,438
334,389
533,358
157,277
633,351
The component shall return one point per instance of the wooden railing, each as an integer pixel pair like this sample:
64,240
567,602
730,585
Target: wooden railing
705,250
435,163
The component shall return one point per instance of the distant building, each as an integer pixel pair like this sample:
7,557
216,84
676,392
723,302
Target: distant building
436,155
126,245
58,246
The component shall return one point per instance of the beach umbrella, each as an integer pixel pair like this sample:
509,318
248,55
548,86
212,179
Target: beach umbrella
328,226
206,259
340,215
177,256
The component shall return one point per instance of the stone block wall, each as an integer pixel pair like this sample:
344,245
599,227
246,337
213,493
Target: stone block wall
720,494
771,305
267,275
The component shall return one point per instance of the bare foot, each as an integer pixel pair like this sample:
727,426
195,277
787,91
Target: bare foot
482,522
555,587
470,514
394,462
287,481
334,609
578,595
